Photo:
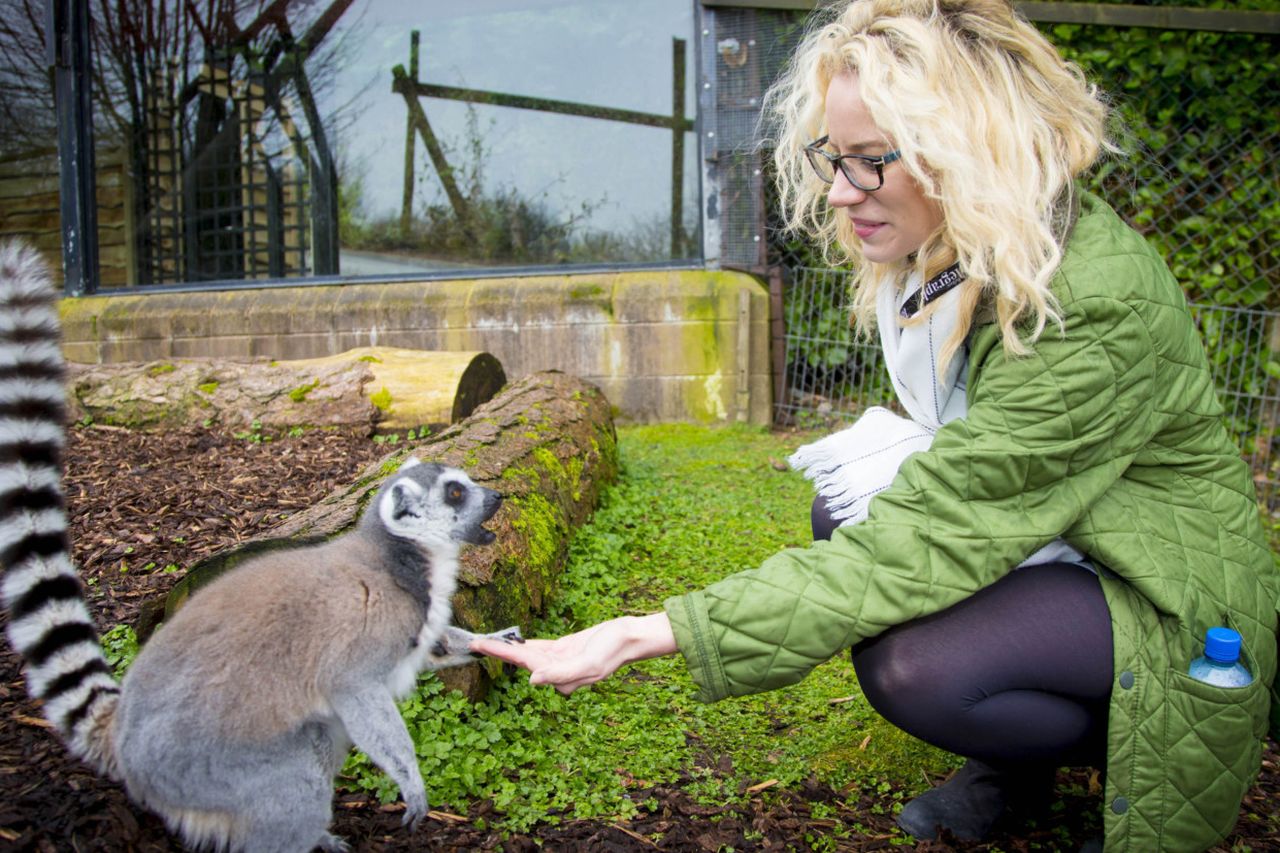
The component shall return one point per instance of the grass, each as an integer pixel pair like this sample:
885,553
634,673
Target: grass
693,504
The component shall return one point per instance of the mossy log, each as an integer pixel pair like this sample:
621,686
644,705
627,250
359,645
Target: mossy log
547,443
375,388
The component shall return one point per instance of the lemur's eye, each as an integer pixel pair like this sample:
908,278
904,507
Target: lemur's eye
454,493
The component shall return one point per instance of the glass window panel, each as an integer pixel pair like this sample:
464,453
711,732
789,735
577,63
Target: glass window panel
529,186
268,140
28,132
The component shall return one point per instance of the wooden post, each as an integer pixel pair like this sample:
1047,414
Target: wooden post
406,202
418,119
407,85
777,340
677,146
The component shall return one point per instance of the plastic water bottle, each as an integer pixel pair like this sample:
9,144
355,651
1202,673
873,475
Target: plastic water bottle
1221,664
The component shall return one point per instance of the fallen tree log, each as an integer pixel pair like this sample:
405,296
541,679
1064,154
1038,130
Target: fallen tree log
547,443
379,388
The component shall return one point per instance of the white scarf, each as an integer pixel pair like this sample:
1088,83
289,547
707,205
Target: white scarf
854,465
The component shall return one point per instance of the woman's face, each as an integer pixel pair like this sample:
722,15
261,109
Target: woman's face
895,220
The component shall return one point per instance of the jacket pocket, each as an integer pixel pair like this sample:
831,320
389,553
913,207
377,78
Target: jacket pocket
1212,752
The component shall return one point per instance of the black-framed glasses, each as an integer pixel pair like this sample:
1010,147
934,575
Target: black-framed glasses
865,173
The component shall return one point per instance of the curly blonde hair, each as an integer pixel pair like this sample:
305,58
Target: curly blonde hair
992,123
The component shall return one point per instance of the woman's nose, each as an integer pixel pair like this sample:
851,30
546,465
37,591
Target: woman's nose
843,193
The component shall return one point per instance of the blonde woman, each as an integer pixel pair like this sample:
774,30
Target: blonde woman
1026,566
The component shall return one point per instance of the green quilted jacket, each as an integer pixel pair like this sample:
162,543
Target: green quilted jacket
1110,436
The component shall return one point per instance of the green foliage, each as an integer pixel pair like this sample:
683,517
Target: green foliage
693,504
120,645
1198,178
207,388
256,434
253,434
169,568
381,399
351,215
393,438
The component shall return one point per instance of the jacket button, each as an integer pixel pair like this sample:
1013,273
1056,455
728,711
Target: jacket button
1119,805
1126,679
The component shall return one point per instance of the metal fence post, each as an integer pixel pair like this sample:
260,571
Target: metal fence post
406,199
67,25
777,339
677,146
707,142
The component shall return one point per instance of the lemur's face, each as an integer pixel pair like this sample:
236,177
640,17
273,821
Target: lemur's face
435,505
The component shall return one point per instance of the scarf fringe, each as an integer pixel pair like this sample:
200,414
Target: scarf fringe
852,466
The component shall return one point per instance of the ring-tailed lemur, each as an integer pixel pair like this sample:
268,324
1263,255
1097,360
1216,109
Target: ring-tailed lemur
234,718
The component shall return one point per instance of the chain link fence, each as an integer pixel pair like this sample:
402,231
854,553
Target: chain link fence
1199,122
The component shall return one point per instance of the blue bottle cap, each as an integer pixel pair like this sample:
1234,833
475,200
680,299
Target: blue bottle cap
1222,645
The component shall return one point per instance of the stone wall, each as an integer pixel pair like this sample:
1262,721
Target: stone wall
663,345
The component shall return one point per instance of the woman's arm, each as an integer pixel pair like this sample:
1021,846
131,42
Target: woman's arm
590,655
1045,436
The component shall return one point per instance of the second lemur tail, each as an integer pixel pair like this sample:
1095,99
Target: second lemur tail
49,621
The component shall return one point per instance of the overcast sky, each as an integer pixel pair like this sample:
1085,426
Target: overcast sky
613,53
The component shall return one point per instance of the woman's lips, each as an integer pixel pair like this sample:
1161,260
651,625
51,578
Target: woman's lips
864,228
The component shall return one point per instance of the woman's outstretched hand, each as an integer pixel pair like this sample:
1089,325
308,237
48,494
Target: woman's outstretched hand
588,656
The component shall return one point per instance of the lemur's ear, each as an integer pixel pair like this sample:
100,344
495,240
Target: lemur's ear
401,500
409,463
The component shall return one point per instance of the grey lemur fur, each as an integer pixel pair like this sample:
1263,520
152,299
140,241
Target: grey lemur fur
234,718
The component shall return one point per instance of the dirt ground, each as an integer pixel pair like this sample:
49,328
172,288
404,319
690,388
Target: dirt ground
142,502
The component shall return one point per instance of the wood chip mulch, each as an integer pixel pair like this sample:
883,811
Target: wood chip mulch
142,503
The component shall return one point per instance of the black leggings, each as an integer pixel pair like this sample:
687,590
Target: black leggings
1019,673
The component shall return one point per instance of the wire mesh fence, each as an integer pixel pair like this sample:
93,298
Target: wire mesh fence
1199,127
832,376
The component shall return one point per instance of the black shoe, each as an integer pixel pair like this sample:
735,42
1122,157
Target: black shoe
970,802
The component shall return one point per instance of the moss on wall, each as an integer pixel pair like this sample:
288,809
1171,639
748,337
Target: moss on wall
642,335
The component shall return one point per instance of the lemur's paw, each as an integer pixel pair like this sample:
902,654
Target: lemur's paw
506,635
509,636
416,808
333,844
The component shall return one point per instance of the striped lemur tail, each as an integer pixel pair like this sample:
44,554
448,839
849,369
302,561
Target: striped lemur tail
49,621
